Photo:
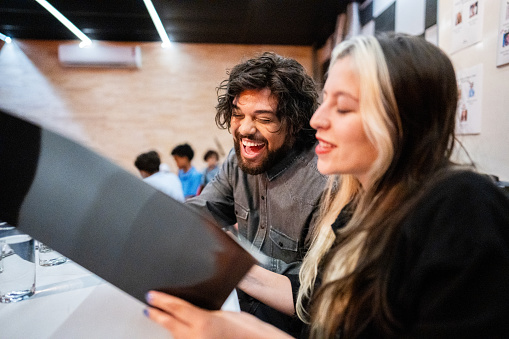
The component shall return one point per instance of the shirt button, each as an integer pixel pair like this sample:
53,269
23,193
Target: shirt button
263,198
280,244
262,226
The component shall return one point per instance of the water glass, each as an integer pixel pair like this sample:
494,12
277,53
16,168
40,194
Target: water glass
50,257
17,265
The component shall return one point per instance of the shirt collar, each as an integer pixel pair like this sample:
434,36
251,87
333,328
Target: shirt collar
282,165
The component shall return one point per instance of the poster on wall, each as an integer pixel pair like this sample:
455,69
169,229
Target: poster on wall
503,34
467,23
469,105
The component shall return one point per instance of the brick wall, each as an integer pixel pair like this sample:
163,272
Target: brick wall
119,112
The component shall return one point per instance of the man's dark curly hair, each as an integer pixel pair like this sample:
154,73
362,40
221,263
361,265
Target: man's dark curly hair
288,82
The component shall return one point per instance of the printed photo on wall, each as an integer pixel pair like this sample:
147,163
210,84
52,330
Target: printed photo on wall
468,23
505,39
474,7
503,35
469,100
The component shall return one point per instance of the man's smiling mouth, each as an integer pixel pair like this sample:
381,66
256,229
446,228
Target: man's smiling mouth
251,147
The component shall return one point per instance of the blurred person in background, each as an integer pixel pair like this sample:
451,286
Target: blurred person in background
189,176
148,165
211,157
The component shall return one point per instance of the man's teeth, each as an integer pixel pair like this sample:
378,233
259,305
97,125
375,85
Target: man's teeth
251,143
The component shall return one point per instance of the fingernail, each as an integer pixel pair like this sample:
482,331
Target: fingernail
148,297
145,312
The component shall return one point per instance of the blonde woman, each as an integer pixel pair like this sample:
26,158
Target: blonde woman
418,247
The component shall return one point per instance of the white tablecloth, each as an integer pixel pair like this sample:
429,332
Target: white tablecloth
71,302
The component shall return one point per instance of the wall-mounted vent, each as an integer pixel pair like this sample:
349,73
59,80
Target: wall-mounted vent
71,55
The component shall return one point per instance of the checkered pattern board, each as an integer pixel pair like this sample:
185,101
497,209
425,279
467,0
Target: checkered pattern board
416,17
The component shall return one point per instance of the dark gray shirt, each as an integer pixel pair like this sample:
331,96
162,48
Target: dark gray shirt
275,210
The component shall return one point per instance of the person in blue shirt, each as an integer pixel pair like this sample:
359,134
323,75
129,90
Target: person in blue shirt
189,176
211,157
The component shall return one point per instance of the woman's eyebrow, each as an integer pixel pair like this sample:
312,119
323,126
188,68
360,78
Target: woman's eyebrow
339,94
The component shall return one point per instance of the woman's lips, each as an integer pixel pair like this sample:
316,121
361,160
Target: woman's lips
323,147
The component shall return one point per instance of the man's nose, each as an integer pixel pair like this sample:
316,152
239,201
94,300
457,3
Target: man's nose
247,127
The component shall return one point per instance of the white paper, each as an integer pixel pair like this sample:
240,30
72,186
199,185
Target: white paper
467,23
503,35
469,104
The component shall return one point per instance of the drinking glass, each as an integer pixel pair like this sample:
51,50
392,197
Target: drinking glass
17,265
50,257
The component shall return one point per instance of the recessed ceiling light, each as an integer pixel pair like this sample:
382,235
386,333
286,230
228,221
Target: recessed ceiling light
157,22
5,38
84,39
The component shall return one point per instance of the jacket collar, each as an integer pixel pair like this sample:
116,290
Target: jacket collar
285,163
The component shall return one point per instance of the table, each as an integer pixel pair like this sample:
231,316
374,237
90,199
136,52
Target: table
71,302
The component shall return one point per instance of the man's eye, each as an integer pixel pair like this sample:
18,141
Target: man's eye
265,120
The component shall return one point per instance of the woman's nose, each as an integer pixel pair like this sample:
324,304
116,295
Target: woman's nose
319,118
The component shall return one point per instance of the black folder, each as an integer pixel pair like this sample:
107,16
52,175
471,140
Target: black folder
111,222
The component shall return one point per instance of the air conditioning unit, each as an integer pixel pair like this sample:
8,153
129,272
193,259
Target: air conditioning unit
71,55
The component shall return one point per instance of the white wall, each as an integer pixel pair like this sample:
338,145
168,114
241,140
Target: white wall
490,149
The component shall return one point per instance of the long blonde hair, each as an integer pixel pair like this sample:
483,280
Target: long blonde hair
398,171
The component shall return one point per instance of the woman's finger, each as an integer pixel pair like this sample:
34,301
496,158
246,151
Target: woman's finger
185,320
176,307
177,328
181,318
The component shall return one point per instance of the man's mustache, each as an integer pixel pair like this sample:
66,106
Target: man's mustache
239,136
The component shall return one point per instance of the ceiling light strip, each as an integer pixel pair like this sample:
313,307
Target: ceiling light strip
85,40
5,38
157,22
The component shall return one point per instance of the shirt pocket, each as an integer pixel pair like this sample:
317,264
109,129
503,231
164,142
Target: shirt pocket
242,217
241,212
283,241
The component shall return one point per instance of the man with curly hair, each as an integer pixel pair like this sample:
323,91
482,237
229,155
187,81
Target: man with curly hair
268,186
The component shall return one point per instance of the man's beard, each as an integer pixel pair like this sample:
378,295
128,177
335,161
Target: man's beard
272,158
